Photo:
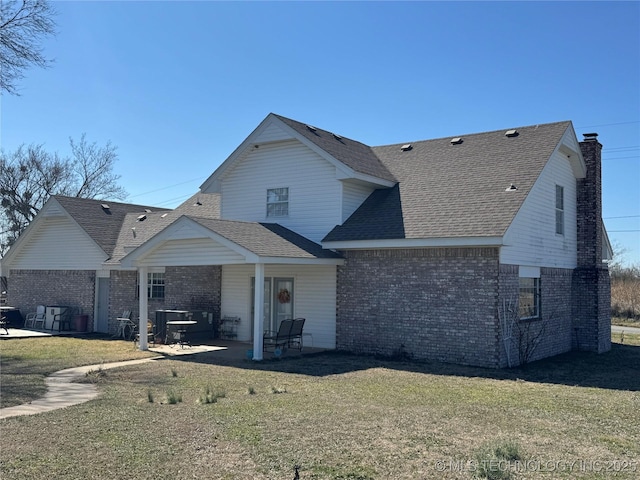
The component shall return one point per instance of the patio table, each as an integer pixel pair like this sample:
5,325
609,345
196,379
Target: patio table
181,330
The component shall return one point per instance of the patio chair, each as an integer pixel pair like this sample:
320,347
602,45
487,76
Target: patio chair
126,326
151,337
279,339
63,319
37,317
3,325
295,335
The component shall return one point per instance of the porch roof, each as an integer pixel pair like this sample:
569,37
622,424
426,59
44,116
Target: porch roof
206,241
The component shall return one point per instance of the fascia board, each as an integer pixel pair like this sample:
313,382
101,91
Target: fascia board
415,243
365,178
300,261
160,238
569,146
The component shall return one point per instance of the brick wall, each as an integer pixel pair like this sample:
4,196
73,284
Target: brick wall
73,288
591,281
186,288
532,340
435,304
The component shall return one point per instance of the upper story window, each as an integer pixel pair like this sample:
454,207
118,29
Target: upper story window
559,210
278,202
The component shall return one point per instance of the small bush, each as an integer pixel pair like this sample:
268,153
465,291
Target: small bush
150,396
211,396
251,391
173,397
174,372
493,460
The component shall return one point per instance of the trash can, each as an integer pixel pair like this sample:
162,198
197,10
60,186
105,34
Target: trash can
81,322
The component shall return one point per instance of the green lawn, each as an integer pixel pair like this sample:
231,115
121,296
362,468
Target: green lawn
337,417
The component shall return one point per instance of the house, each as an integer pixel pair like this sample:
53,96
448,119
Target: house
484,249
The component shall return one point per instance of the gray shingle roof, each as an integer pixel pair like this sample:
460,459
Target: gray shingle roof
266,239
447,190
102,225
200,204
357,156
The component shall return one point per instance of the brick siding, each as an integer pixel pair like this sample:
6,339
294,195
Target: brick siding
186,288
432,304
72,288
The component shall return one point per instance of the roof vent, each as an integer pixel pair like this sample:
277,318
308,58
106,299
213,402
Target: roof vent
164,215
313,129
511,133
456,141
147,210
105,206
142,218
406,147
336,136
511,188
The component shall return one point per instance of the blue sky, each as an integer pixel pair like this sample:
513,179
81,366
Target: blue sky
176,86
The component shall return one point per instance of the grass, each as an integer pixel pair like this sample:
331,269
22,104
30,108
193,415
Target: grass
342,417
24,363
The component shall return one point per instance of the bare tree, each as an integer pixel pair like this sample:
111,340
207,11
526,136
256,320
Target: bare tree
30,175
23,25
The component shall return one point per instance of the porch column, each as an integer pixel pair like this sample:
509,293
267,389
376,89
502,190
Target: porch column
258,314
143,305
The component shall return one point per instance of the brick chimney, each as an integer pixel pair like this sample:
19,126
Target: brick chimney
591,282
590,204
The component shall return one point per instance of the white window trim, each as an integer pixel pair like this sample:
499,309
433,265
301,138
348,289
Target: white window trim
278,202
559,211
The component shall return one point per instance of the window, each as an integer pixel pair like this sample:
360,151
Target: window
529,300
155,285
278,202
559,210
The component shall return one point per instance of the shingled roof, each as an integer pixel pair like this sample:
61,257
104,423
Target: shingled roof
357,156
136,230
101,224
448,189
266,239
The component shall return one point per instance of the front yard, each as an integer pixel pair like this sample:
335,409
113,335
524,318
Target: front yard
335,416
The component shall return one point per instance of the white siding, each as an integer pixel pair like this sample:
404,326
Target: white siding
531,239
314,192
196,251
272,133
58,244
353,194
314,298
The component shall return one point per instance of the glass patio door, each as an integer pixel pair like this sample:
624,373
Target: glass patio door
278,301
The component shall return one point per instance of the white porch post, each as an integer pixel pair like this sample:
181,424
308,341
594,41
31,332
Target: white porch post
258,314
143,307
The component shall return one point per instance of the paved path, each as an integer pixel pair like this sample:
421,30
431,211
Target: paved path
617,329
63,392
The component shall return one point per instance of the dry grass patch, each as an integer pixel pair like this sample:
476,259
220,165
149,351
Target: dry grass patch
338,417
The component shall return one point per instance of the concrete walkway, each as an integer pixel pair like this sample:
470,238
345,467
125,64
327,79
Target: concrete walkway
63,392
618,329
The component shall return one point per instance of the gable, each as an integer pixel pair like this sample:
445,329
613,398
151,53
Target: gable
57,243
351,159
